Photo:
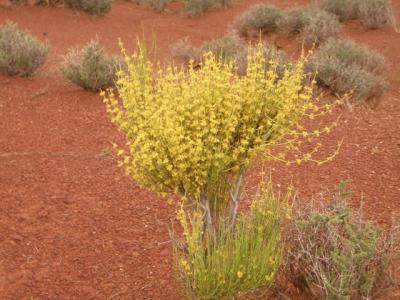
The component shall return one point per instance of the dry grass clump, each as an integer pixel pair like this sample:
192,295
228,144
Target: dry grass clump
334,254
315,25
346,67
197,7
259,18
93,7
91,68
372,13
20,53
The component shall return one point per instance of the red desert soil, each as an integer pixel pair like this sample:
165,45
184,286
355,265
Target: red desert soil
72,226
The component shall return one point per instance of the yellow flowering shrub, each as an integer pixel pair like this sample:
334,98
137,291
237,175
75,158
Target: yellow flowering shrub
195,132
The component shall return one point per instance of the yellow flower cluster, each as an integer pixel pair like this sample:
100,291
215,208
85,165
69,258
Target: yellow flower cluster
186,129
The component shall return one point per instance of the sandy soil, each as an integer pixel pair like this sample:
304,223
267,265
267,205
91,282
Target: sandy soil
72,226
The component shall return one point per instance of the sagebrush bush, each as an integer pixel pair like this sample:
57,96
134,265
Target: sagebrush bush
315,25
20,53
38,2
375,13
259,18
243,259
320,26
156,5
227,48
184,52
93,7
351,53
279,60
294,20
197,7
346,67
91,68
344,9
335,254
372,13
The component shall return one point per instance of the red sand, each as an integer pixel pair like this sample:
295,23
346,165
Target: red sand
72,226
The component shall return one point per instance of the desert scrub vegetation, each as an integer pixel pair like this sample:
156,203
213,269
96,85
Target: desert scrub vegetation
21,54
344,9
320,26
375,13
38,2
194,133
197,7
93,7
372,13
259,18
334,253
313,24
91,68
227,48
346,67
157,5
232,261
190,7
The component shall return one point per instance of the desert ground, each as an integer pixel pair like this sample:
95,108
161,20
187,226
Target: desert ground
73,226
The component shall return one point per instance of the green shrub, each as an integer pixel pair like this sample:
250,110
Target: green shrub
184,52
243,259
156,5
351,53
91,68
320,26
259,18
20,53
19,2
197,7
344,9
335,254
271,54
93,7
375,13
294,20
227,48
346,67
372,13
314,24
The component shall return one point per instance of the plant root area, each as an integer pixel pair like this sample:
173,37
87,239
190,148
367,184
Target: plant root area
73,226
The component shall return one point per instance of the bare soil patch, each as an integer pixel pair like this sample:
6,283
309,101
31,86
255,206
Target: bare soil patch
72,226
